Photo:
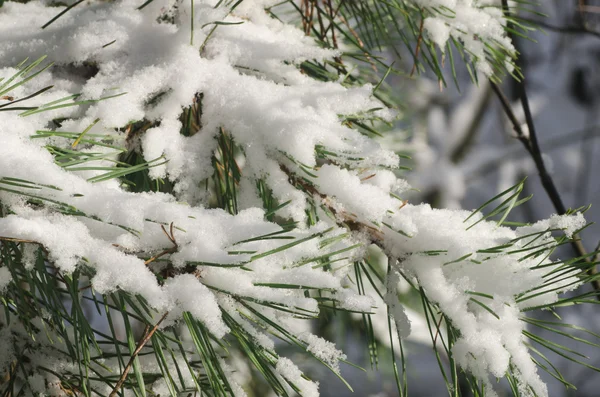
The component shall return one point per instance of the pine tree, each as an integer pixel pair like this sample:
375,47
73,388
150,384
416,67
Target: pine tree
184,183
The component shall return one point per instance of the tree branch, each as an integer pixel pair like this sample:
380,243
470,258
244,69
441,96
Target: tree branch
147,335
532,146
531,143
346,219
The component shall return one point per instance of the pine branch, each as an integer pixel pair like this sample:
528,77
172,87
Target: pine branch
145,338
531,144
49,285
344,219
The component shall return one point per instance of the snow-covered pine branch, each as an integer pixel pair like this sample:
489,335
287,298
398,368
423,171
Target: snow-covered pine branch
148,117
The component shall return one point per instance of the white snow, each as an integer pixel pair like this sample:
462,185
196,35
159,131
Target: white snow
253,90
472,22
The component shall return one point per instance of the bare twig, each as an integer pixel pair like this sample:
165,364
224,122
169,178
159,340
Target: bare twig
147,335
171,250
531,144
359,42
18,240
418,49
332,14
589,9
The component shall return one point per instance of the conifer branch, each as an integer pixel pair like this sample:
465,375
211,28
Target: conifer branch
531,144
532,147
343,218
244,296
145,338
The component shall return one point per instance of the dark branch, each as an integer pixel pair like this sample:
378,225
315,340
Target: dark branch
531,143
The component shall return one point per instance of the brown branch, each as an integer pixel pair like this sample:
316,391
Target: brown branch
359,42
146,337
171,250
310,7
304,6
349,220
332,14
418,49
322,35
18,240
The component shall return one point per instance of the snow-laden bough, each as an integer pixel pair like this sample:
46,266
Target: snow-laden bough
229,272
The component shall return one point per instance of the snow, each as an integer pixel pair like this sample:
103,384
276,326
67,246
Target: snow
189,295
472,22
568,225
323,350
253,90
5,278
288,370
346,187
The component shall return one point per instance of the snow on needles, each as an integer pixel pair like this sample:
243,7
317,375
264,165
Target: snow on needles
251,87
475,23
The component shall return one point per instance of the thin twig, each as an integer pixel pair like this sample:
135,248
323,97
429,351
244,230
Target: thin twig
590,9
597,250
531,144
418,49
461,148
519,133
171,250
332,15
147,335
437,332
359,42
18,240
